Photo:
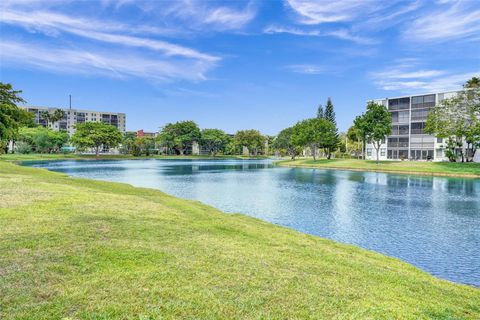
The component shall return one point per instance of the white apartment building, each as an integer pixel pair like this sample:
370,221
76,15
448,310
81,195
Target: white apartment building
76,116
408,140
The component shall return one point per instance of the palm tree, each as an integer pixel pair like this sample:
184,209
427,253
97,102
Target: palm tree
57,115
473,83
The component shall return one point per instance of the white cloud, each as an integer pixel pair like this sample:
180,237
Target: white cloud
307,69
343,34
228,18
316,12
459,20
53,24
102,62
405,77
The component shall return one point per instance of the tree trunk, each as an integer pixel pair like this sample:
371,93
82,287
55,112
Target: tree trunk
97,151
314,153
377,150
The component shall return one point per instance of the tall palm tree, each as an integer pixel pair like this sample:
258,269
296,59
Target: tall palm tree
57,115
473,83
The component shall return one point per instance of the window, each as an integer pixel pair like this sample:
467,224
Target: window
382,152
439,140
418,127
439,153
369,152
403,116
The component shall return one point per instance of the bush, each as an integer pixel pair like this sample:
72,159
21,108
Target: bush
23,147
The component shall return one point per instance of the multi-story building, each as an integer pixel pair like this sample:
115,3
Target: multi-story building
76,116
408,140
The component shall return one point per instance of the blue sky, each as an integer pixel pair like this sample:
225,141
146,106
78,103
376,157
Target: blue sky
234,64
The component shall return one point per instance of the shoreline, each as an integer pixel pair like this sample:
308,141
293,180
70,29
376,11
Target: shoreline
286,164
99,237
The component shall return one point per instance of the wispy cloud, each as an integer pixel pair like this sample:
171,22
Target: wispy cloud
408,76
53,24
307,69
453,20
316,12
120,65
343,34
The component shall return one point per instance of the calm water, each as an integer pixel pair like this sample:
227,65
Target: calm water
433,223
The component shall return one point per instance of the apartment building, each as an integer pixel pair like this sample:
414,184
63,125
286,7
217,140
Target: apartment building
76,116
408,140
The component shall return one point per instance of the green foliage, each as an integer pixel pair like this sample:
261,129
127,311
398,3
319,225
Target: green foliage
52,117
10,96
320,112
376,124
42,140
11,117
315,133
284,142
457,119
143,146
474,82
179,135
23,147
95,135
214,140
252,139
329,112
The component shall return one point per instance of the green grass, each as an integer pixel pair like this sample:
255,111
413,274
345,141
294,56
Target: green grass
414,167
73,248
72,156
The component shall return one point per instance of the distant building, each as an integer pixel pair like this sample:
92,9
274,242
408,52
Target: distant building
141,133
408,140
76,116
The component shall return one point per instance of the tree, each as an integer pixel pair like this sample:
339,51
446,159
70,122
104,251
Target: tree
252,139
284,141
329,112
11,117
142,145
354,141
52,117
315,133
320,112
458,120
214,140
179,135
472,83
379,123
43,140
95,135
362,130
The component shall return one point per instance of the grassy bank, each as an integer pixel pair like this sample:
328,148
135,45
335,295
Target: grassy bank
72,156
82,249
456,169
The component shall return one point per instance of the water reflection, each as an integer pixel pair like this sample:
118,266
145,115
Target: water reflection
431,222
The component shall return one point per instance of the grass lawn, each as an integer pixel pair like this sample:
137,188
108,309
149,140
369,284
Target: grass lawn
73,248
415,167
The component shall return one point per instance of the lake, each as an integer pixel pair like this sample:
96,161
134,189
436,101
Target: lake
430,222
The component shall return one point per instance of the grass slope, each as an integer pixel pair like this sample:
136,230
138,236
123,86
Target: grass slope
456,169
81,249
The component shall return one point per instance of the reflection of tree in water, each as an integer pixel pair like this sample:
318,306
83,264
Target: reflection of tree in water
191,169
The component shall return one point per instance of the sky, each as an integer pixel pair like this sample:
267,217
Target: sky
234,65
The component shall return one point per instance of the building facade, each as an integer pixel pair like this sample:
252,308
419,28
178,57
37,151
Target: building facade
73,117
408,140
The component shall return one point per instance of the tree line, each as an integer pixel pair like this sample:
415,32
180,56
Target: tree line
456,119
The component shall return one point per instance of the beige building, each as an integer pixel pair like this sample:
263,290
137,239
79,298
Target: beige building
76,116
